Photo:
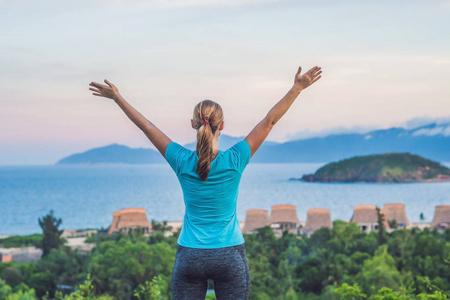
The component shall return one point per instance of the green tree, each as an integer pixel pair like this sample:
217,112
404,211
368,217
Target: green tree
382,236
52,236
85,291
118,267
43,283
153,290
13,276
350,292
160,226
21,293
344,237
393,224
378,272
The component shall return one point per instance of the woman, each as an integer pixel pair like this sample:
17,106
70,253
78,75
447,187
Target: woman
210,245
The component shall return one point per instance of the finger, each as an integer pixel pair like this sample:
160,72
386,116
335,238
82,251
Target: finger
109,83
312,70
299,70
97,91
97,94
316,74
316,79
98,85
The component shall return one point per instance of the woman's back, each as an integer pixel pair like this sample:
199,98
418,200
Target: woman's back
210,220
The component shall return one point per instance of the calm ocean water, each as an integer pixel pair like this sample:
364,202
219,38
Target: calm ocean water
86,196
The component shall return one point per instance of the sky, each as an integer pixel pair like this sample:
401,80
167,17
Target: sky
384,63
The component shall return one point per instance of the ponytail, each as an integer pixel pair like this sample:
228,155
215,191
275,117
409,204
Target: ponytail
204,151
208,116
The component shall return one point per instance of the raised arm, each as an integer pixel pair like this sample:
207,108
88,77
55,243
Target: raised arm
155,135
257,136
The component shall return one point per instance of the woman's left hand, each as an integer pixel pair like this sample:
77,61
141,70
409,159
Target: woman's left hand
107,91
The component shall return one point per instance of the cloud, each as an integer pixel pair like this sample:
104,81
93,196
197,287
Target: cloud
443,127
444,130
306,133
422,121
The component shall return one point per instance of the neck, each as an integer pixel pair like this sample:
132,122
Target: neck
215,144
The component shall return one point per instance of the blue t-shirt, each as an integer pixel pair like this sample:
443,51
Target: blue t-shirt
210,219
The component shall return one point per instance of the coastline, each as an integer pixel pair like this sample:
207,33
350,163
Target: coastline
309,178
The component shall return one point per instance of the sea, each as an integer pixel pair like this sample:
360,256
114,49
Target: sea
85,196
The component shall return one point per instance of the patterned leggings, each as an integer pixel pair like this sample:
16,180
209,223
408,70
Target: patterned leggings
227,266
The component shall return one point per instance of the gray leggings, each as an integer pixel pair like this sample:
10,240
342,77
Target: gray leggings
226,266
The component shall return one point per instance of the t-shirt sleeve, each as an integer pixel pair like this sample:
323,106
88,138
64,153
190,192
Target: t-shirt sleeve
242,153
173,154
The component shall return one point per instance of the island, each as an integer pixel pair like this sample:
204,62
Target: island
383,168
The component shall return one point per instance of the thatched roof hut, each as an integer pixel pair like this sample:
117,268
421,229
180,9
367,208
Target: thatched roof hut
397,212
130,218
316,219
115,221
364,214
283,213
254,219
367,218
441,216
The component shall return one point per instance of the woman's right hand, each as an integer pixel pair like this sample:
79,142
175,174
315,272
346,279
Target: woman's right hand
308,78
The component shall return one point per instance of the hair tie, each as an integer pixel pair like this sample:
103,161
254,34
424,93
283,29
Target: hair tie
205,122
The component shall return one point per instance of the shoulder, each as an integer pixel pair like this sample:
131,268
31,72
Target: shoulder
240,154
175,149
240,146
174,155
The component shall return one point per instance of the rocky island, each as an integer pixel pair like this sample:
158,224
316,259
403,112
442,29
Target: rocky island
386,167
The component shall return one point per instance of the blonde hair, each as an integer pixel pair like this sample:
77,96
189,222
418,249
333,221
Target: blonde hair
208,116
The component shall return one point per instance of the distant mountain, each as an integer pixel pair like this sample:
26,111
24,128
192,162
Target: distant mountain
431,141
121,154
114,154
387,167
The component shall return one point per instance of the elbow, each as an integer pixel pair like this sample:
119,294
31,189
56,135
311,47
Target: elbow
270,122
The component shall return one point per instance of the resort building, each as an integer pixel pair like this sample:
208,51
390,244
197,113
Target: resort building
397,212
5,258
78,243
317,218
23,254
128,219
72,233
284,217
419,225
441,219
367,218
254,219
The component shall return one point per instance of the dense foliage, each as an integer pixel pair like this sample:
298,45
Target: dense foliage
337,263
22,241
